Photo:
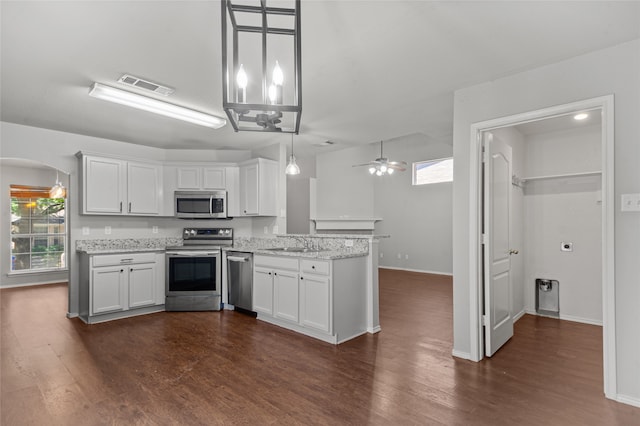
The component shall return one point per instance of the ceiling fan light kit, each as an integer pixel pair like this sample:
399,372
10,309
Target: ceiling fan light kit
383,166
261,92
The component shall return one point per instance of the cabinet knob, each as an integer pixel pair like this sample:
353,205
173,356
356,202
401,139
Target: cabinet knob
269,273
302,278
313,266
121,270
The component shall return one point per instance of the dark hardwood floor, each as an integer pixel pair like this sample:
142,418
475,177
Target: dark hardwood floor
227,368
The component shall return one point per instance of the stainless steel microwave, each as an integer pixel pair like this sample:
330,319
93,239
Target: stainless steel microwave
200,204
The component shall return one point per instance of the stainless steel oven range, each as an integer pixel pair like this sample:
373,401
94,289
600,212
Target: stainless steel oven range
194,271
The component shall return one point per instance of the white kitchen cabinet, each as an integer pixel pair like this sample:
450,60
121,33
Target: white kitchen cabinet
315,294
108,290
275,287
119,285
258,187
263,290
112,186
325,299
200,177
286,304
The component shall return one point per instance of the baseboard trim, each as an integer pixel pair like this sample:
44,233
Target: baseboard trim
460,354
519,315
449,274
374,330
629,400
32,284
569,318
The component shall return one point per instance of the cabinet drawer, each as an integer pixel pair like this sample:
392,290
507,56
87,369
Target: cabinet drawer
122,259
277,262
320,267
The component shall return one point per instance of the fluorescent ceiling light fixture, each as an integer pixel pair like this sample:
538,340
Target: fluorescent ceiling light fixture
580,116
123,97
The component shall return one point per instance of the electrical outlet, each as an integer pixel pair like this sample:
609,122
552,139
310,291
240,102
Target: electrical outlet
85,230
348,243
107,230
154,229
406,257
381,255
275,229
399,255
266,229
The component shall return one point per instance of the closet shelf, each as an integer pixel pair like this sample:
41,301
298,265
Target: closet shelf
520,181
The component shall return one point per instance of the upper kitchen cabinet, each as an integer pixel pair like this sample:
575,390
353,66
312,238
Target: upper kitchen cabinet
258,192
194,177
112,186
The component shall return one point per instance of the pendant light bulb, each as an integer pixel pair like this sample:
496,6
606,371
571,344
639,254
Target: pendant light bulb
58,190
241,78
292,167
390,171
273,94
278,76
372,170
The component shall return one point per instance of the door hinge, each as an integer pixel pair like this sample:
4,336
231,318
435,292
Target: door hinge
483,239
485,320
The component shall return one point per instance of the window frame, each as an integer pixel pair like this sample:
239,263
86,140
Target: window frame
31,194
414,170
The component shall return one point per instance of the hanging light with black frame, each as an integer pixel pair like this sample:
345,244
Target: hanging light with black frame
258,42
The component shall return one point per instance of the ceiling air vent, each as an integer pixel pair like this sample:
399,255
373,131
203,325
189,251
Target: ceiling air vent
145,85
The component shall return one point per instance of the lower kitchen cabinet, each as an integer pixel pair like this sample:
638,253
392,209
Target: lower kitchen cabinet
119,285
325,299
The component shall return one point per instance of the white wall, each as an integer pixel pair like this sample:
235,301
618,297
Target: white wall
418,218
565,210
299,197
23,175
610,71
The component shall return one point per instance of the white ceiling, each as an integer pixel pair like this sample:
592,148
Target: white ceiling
372,70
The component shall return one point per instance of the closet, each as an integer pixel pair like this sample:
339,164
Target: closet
556,215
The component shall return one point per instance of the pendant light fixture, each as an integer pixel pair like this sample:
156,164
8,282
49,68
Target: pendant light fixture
261,65
292,167
58,190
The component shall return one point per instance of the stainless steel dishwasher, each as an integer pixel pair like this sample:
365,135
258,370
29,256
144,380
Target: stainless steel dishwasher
240,280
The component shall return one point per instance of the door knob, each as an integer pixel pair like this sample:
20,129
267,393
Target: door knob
512,251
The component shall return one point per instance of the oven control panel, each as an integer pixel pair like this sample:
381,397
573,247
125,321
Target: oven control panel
210,234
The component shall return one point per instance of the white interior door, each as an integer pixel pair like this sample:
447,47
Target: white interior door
497,319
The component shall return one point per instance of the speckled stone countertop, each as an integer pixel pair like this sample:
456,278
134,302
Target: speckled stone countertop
128,245
330,247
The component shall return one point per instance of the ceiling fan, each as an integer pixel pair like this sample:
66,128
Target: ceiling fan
381,165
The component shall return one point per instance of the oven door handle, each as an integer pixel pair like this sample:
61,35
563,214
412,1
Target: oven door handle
192,253
211,205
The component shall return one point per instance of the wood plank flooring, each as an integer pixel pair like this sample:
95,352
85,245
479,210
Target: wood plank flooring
209,368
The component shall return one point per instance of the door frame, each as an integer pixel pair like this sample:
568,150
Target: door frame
606,105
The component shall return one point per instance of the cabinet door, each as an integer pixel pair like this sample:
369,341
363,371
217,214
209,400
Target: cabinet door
316,302
108,290
249,189
286,299
188,177
263,291
213,178
142,283
104,186
143,188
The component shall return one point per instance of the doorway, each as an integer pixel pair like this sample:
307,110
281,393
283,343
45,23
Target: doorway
604,106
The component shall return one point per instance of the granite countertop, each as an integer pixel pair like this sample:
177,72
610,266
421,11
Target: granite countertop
331,247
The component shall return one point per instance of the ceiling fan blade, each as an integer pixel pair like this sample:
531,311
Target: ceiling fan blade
370,163
398,163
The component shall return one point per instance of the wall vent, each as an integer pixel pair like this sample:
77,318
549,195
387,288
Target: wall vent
145,85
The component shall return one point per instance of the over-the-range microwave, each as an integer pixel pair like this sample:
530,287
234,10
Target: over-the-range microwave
200,204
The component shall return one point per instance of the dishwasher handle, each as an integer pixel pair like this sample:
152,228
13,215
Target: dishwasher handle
237,259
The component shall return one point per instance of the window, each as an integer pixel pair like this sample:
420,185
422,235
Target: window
37,230
433,171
